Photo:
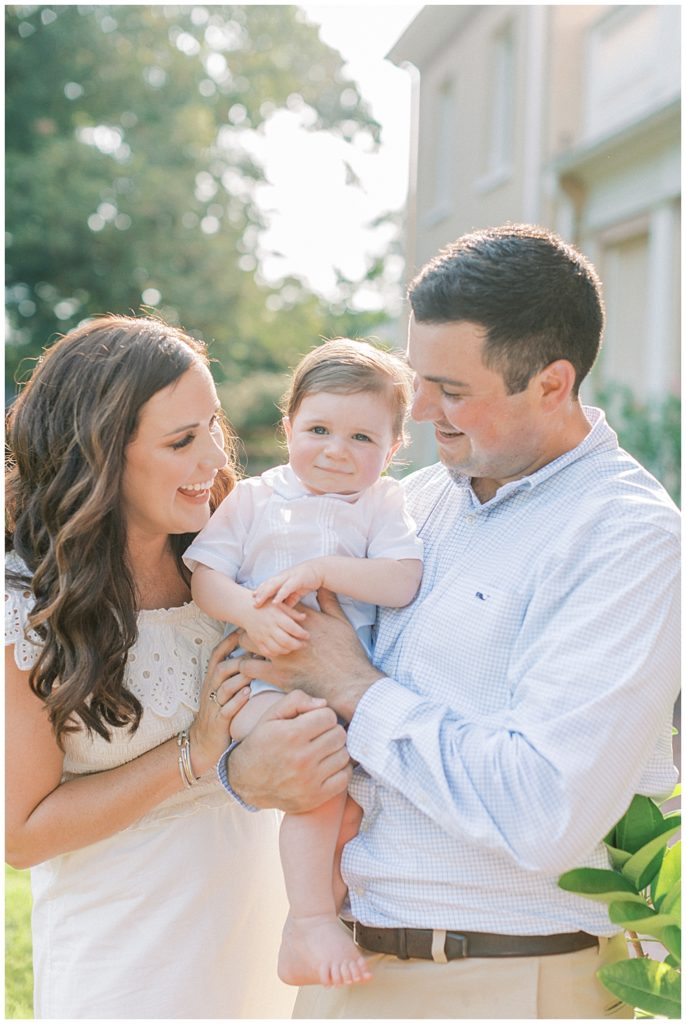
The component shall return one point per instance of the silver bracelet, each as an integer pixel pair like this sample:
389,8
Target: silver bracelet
185,766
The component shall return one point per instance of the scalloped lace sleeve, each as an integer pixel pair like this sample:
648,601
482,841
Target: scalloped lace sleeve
18,604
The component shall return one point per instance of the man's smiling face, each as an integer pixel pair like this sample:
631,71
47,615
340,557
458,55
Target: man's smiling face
481,430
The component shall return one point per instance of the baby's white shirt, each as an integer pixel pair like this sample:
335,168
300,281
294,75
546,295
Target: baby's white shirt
271,522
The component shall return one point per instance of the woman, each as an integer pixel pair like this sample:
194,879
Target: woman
155,896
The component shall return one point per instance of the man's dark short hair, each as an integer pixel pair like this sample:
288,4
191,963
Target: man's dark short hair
537,297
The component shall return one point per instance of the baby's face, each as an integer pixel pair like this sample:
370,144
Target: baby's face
340,444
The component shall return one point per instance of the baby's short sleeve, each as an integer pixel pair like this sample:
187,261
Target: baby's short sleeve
19,601
221,544
393,532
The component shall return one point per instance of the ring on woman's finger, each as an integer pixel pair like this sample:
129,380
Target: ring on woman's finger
215,698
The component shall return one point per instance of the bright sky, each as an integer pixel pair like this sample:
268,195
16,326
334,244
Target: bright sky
317,223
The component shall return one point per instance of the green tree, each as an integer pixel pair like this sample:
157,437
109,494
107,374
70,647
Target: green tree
129,180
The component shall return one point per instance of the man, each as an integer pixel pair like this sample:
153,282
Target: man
522,699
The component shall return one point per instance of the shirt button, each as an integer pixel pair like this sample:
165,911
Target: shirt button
358,891
470,519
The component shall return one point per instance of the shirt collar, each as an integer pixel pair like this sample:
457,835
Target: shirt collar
286,484
601,437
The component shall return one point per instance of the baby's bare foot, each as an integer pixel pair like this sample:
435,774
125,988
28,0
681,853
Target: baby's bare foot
316,951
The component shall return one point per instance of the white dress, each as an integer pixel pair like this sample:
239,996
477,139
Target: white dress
179,915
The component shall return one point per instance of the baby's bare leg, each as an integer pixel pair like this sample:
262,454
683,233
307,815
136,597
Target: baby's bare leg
350,826
315,950
250,714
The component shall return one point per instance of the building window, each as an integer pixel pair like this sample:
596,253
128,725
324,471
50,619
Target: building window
626,345
633,66
445,150
500,140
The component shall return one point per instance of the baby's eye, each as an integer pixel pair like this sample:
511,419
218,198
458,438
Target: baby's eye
362,437
183,442
318,430
451,394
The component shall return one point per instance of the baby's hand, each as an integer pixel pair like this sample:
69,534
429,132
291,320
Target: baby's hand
275,630
289,586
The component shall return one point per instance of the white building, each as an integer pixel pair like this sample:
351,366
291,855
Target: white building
566,116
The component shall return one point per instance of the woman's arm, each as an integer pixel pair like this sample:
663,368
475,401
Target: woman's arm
385,581
44,819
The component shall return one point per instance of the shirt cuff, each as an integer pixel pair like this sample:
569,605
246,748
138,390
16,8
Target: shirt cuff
223,774
379,720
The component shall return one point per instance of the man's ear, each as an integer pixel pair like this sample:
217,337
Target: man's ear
556,382
286,423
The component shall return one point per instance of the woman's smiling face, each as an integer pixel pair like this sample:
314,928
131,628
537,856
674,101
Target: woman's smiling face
173,458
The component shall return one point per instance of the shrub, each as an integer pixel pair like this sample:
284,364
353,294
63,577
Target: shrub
650,431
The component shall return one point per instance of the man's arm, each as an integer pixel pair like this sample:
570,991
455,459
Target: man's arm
332,665
592,682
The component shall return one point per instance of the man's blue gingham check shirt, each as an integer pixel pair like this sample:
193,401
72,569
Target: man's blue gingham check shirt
528,696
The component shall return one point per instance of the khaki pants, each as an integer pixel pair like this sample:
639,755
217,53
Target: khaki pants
518,988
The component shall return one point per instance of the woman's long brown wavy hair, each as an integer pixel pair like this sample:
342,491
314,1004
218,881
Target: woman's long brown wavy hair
67,434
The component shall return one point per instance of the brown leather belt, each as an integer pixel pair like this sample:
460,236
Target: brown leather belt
441,946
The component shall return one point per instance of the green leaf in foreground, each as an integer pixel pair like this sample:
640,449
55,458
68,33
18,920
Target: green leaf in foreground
653,987
638,825
618,857
644,865
599,884
671,904
669,877
645,921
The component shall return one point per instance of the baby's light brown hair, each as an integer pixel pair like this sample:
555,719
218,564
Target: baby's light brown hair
346,367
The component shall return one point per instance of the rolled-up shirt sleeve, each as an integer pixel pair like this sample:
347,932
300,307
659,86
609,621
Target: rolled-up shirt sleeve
592,678
223,776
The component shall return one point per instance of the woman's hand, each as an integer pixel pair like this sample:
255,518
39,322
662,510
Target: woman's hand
209,734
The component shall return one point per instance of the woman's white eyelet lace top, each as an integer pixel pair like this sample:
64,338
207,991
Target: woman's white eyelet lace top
165,670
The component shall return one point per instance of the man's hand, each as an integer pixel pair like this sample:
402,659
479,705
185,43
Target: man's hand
332,665
294,759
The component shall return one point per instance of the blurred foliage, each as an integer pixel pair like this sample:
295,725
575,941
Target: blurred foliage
130,181
650,431
18,966
253,409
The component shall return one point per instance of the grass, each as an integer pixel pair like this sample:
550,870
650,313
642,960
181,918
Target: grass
18,967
